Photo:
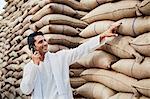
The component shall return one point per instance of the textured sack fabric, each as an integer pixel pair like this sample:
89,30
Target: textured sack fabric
134,26
143,86
124,96
76,72
131,68
67,41
94,3
95,91
111,79
96,28
144,7
99,59
58,19
59,29
112,11
142,44
77,82
120,47
53,8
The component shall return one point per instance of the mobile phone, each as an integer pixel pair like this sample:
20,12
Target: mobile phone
33,49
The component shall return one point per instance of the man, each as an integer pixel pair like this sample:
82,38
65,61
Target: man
46,76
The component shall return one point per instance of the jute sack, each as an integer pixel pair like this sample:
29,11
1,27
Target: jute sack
26,20
53,8
75,72
59,29
120,47
94,3
59,19
67,41
34,10
27,33
112,11
72,3
95,91
24,50
76,66
111,79
77,81
144,7
134,26
21,31
96,28
142,44
24,42
143,86
12,9
124,96
55,48
131,68
99,59
80,14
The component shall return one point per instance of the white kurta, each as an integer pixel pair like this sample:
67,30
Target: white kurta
50,80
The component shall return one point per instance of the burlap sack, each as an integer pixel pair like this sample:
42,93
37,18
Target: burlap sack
99,59
55,48
26,20
24,42
75,72
142,44
68,41
94,3
124,96
76,82
24,50
120,47
21,31
17,27
34,9
27,33
53,8
143,87
72,3
111,79
96,28
134,26
76,66
59,29
95,91
12,9
112,11
16,40
58,19
144,7
80,14
131,68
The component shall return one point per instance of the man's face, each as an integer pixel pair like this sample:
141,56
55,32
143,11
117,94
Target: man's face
41,44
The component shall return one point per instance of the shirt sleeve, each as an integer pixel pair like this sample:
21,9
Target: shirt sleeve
29,78
84,49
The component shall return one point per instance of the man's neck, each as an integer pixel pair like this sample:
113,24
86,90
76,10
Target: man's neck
42,56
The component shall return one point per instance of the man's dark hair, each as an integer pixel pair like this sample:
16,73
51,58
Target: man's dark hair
31,39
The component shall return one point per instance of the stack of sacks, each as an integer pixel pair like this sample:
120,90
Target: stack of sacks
60,22
120,68
116,70
12,59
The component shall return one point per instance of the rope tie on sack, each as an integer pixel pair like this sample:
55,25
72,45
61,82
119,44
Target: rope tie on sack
95,30
132,69
133,25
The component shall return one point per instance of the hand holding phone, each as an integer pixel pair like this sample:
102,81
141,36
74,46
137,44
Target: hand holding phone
35,56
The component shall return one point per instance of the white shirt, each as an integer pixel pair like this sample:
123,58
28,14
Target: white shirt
50,80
